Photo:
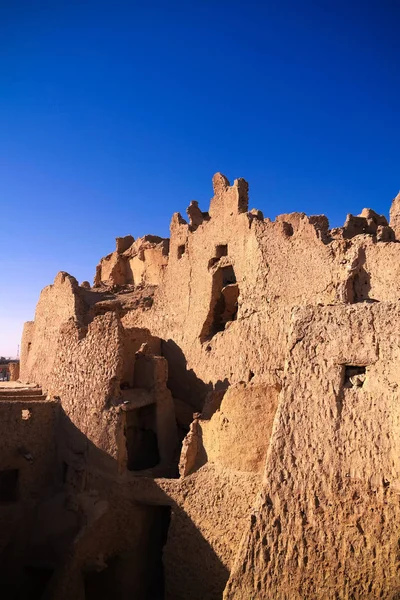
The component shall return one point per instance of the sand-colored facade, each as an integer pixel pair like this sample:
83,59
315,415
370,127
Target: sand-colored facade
225,402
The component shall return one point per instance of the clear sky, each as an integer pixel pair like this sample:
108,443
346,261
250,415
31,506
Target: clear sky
114,115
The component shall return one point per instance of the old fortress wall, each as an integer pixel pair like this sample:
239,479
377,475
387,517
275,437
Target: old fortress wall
222,413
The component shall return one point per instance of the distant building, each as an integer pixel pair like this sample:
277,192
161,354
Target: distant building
9,369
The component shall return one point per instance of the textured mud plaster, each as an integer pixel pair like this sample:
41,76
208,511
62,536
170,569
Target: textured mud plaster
57,303
215,498
238,433
27,472
395,216
133,262
269,351
133,338
205,531
87,368
118,552
273,272
325,523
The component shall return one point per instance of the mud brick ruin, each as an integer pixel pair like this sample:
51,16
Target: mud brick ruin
218,417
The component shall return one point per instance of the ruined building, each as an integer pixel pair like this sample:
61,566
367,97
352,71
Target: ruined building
218,417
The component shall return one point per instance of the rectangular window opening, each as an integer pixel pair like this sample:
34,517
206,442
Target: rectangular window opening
9,485
354,376
221,250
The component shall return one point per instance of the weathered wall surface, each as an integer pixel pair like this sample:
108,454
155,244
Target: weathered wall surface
236,438
212,503
140,262
133,338
276,265
86,372
264,330
28,333
27,443
326,523
208,520
27,474
57,303
117,553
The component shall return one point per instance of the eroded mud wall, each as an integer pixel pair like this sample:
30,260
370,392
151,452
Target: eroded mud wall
325,525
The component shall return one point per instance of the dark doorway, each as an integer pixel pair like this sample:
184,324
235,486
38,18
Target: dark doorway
141,438
35,581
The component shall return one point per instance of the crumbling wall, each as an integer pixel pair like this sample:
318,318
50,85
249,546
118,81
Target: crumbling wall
378,271
86,373
275,265
228,312
133,338
237,435
28,333
205,530
57,303
149,421
325,524
221,472
28,472
140,262
103,374
118,553
295,260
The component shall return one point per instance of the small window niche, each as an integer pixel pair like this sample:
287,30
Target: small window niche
181,251
9,486
354,376
221,250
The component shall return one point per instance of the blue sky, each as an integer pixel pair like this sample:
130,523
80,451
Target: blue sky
114,115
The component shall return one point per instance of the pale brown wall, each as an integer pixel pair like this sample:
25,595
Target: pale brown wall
214,500
205,531
326,524
278,265
86,374
35,436
238,433
141,263
57,303
274,271
382,271
133,338
156,261
26,344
